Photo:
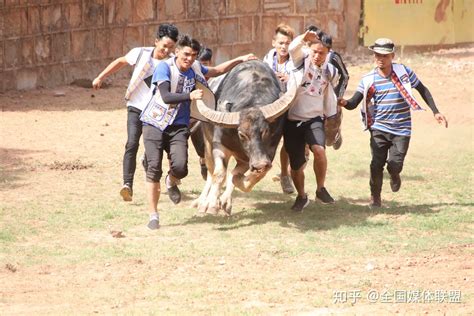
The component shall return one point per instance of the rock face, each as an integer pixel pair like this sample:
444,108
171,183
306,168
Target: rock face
47,43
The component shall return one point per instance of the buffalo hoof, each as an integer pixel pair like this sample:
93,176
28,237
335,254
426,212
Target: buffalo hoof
228,211
226,204
202,209
212,210
195,203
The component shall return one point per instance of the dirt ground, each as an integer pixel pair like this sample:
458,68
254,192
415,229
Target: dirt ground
28,164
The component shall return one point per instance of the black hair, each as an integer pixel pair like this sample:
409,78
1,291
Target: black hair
167,30
205,54
326,40
315,29
187,41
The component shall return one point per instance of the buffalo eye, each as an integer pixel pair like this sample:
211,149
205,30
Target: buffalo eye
242,136
264,132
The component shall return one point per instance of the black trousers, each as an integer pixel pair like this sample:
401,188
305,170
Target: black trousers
134,131
173,140
197,137
383,144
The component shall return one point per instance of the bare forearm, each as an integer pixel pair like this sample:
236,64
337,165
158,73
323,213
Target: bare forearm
113,67
224,67
228,65
296,50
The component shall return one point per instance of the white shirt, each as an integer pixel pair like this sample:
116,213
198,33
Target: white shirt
144,92
315,94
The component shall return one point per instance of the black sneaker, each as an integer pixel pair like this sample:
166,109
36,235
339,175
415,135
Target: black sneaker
375,201
300,203
126,192
324,197
154,222
395,182
174,194
173,191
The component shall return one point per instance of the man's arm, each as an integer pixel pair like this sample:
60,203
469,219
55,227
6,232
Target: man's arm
428,98
352,103
296,47
174,98
228,65
113,67
337,62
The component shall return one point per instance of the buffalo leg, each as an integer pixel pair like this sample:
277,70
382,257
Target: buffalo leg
246,182
211,204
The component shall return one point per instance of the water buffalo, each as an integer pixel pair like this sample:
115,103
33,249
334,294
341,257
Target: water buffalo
247,125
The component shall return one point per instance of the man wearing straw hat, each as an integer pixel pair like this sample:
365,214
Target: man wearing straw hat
387,101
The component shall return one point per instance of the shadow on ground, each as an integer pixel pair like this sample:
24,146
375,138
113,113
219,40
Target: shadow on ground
316,216
364,173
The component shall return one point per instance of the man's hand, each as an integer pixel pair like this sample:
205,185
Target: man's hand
310,36
341,102
196,95
282,76
96,83
441,119
248,57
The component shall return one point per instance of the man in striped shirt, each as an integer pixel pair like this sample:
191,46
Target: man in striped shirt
386,112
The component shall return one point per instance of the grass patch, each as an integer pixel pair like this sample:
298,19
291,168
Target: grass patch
57,221
7,236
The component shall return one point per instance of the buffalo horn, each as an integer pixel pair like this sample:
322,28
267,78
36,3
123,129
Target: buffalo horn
232,119
279,106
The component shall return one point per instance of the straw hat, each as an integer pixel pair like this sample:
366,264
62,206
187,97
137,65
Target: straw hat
383,46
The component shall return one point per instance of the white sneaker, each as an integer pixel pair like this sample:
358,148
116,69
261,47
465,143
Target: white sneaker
154,222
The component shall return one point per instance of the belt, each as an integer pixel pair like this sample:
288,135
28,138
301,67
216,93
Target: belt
314,119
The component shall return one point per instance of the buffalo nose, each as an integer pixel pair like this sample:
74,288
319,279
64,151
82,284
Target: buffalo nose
261,166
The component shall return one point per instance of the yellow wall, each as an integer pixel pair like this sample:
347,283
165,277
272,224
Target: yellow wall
464,17
419,22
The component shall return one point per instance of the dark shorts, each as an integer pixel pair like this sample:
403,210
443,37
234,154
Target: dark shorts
296,136
173,140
